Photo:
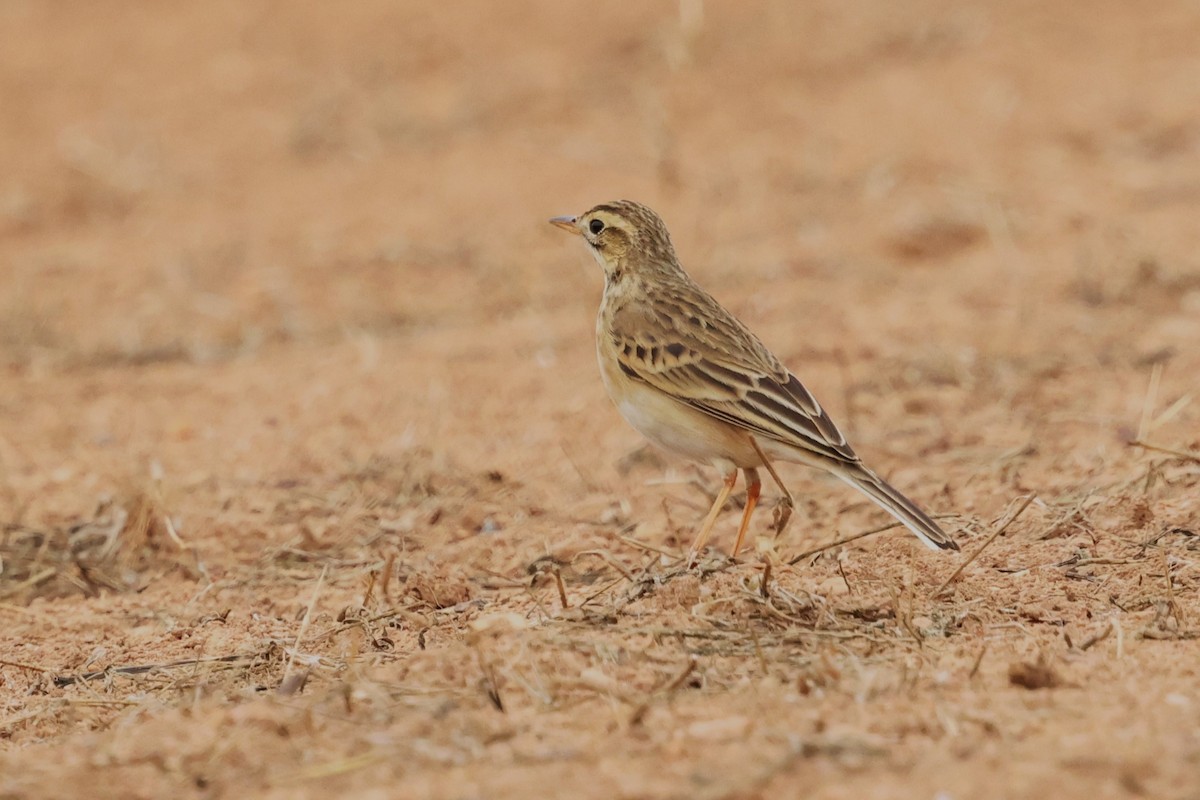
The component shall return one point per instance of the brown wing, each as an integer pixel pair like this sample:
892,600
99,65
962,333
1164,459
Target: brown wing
692,349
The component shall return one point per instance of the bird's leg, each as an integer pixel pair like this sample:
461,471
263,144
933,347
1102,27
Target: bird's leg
785,515
753,486
718,504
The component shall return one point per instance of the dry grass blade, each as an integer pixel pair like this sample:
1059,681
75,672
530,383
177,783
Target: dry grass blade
1146,424
639,713
23,716
853,538
287,671
1186,455
607,559
1029,498
141,669
25,612
978,662
562,589
1096,638
4,662
839,542
632,542
339,767
1172,411
1149,400
32,581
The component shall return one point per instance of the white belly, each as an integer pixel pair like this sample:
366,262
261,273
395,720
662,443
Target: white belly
674,426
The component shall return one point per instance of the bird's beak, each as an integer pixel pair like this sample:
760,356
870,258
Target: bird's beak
569,224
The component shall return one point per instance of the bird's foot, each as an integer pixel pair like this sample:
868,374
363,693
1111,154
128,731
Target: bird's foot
782,515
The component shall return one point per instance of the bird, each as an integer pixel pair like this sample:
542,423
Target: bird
693,379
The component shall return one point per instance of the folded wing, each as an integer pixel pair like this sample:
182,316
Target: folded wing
748,388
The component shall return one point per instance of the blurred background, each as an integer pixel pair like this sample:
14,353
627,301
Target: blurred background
195,181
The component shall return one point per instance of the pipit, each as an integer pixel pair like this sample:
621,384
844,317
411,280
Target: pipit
693,379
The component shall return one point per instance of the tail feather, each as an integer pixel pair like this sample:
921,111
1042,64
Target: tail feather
900,507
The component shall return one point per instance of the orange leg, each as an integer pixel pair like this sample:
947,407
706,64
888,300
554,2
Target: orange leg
753,487
785,513
718,504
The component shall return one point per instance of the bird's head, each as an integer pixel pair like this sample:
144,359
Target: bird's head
623,236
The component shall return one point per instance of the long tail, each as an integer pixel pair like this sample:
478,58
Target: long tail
899,506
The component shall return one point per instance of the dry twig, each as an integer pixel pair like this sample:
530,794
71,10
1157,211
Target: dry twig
1029,498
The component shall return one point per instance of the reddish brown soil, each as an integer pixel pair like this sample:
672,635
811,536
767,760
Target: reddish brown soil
300,424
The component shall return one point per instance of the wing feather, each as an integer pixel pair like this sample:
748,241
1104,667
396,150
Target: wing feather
675,350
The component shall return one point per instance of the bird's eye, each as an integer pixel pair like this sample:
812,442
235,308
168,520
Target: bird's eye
595,226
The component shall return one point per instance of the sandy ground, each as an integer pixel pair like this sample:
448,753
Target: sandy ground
309,486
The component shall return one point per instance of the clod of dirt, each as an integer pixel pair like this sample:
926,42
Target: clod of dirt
1141,514
1036,675
720,730
439,589
833,586
682,593
934,237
